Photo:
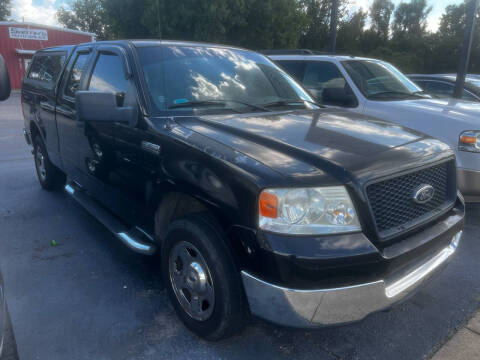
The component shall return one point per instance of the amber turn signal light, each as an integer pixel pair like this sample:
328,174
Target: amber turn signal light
268,205
465,139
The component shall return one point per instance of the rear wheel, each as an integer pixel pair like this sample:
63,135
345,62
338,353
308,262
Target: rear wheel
201,278
49,176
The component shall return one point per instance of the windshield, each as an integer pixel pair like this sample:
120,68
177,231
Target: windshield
381,81
475,83
212,80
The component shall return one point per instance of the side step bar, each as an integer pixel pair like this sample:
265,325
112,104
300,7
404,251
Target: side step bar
136,239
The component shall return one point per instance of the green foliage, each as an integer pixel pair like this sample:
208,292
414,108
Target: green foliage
397,35
5,9
447,42
85,15
380,14
411,19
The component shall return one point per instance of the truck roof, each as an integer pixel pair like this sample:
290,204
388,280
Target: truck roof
144,43
317,57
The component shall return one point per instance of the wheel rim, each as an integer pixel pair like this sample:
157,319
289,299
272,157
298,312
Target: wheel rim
40,163
191,281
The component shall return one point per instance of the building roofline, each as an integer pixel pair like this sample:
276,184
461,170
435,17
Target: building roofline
51,27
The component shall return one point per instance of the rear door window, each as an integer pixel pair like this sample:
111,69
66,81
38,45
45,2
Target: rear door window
78,68
46,67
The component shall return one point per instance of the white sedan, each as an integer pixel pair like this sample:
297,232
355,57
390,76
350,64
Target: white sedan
376,88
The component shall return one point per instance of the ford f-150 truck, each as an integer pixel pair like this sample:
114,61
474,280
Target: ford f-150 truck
257,200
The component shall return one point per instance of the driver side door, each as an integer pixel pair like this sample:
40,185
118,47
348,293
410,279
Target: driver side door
113,170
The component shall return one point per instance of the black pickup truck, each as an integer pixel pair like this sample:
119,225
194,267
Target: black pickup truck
257,199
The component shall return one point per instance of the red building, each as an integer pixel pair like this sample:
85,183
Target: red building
20,40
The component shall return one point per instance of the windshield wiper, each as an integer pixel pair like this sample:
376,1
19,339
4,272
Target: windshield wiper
215,102
286,102
383,93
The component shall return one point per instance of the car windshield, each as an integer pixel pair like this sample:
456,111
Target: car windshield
217,80
381,81
475,83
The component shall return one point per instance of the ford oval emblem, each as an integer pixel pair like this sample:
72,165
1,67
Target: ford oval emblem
423,194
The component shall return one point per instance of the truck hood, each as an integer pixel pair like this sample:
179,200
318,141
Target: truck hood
304,144
466,112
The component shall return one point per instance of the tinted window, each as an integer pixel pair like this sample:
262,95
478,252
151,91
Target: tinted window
440,89
76,73
443,89
322,79
108,75
47,67
228,77
420,83
380,81
294,68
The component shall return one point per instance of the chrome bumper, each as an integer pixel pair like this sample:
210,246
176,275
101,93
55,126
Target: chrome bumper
308,308
469,184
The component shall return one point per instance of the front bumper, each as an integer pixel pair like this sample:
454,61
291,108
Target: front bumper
320,307
469,184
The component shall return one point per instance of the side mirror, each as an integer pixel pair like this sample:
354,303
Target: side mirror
340,96
4,80
93,106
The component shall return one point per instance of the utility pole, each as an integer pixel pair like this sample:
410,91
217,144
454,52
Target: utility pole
332,40
471,15
159,21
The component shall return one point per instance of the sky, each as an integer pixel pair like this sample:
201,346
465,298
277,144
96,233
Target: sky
43,11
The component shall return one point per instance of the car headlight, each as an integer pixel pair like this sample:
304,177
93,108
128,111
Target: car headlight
302,211
469,141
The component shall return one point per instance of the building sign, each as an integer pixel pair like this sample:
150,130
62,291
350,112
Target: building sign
27,34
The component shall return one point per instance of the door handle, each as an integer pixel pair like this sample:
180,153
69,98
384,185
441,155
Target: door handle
47,106
65,112
151,147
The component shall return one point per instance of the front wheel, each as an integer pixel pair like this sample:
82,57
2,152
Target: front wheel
202,281
49,176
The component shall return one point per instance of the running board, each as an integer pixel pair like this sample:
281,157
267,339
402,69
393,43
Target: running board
136,239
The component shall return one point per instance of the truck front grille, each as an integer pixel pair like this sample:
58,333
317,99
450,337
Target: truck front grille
394,209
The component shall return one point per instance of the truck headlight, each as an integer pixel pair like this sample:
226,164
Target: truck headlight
469,141
312,211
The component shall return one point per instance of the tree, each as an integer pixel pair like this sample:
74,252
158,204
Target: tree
257,24
448,41
411,18
5,9
317,23
84,15
380,14
350,33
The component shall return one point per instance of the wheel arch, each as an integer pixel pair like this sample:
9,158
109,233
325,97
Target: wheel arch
35,130
175,203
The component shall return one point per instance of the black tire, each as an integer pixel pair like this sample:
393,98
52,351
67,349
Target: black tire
50,177
227,315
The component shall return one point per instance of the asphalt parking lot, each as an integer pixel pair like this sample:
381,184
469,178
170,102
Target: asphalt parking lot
88,297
